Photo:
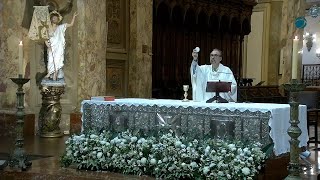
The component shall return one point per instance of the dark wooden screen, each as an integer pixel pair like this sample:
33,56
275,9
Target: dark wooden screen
180,26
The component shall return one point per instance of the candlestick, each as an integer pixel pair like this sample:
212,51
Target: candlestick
19,158
21,58
295,58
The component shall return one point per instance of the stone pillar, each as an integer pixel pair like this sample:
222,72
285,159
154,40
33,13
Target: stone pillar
50,112
290,11
91,49
140,50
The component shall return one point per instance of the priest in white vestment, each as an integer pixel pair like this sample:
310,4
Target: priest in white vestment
200,75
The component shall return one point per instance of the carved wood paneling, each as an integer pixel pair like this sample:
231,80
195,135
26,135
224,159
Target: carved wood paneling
117,47
116,78
117,26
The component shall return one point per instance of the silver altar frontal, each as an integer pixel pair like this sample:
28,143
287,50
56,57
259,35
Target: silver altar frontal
248,122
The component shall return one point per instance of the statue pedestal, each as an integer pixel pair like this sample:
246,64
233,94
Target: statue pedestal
50,112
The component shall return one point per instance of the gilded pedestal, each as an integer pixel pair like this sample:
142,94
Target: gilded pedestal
294,131
50,112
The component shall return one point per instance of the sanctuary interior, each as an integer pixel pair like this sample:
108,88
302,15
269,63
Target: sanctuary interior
142,49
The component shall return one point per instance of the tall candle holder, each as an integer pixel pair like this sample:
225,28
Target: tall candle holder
19,158
294,168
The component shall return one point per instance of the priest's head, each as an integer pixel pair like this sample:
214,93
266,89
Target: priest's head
215,57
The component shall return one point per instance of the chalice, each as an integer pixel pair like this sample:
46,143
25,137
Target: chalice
185,88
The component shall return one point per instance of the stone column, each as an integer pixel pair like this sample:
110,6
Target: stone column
291,9
91,49
140,50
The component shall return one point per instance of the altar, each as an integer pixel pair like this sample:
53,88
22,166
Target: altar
251,122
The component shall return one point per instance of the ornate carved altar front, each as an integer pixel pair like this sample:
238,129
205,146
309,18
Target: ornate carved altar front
243,121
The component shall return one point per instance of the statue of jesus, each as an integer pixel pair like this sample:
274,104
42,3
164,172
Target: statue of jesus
56,45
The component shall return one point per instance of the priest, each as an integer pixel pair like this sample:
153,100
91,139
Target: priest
200,75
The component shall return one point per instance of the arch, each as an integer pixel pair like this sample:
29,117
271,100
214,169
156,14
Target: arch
190,18
177,15
203,20
235,26
224,24
214,23
246,26
162,13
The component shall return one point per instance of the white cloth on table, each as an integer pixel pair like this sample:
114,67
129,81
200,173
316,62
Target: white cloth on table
278,122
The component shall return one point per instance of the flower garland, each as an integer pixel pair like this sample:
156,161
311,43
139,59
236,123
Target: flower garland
166,157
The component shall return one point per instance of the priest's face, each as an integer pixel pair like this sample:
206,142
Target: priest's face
215,58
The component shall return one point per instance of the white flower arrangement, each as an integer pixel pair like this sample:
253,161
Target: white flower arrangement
166,157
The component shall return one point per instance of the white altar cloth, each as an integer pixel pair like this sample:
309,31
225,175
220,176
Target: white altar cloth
279,121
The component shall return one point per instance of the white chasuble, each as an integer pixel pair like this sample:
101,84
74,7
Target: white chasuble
200,75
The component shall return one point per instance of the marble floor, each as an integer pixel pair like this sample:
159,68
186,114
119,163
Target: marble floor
45,153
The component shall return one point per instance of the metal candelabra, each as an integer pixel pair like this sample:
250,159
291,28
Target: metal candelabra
294,168
19,158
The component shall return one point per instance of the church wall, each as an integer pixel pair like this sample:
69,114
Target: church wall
274,43
254,45
313,27
140,49
263,43
257,44
91,49
11,16
290,11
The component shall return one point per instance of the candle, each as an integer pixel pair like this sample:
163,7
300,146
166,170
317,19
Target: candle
21,58
295,58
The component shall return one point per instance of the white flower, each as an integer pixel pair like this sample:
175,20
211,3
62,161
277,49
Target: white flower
99,155
153,161
231,146
245,171
143,160
92,136
165,159
220,173
205,170
207,149
159,162
183,146
170,168
69,152
228,176
178,144
102,142
193,164
141,140
134,139
223,151
250,159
